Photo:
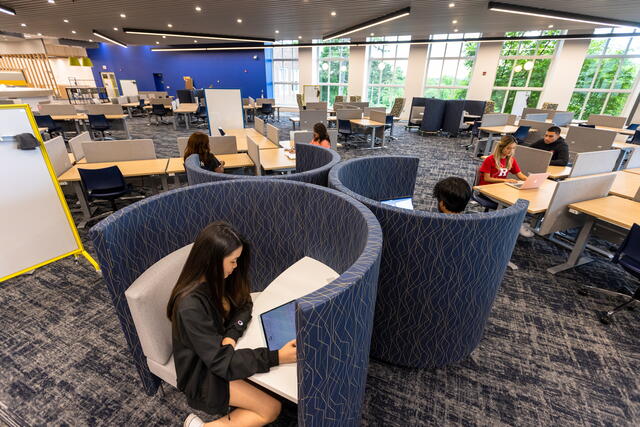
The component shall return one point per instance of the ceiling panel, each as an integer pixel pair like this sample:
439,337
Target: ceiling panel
309,19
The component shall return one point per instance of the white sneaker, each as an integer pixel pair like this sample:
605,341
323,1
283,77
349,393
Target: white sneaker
525,231
193,421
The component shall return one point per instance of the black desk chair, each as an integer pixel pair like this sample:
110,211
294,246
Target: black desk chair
475,133
481,199
628,256
266,110
159,112
388,125
633,126
140,109
52,127
635,138
521,134
345,130
98,124
104,184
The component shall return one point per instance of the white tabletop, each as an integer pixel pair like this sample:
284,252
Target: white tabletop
302,278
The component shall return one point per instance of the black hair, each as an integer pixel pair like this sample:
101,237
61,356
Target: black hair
454,192
554,129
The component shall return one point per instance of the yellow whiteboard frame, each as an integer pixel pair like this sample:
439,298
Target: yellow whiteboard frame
54,179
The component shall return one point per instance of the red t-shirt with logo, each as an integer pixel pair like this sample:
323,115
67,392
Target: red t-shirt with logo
489,166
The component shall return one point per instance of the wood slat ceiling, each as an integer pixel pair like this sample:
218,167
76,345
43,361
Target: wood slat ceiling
307,18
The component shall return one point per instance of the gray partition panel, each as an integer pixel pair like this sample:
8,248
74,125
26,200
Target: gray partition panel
76,145
223,144
532,160
58,155
475,108
538,117
605,120
302,136
259,125
117,151
56,109
433,115
452,118
558,217
563,118
308,118
582,139
495,119
594,162
634,159
316,106
378,116
349,114
540,129
273,134
254,154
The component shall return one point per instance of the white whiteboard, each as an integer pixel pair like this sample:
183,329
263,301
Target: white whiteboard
311,93
34,226
224,108
129,87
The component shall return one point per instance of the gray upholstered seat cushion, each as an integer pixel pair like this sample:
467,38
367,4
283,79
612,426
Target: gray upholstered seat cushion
148,297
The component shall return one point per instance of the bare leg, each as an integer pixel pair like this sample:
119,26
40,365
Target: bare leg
253,407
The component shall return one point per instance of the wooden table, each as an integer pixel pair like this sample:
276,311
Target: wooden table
185,110
130,168
370,124
559,172
626,185
255,107
539,198
241,135
231,161
636,171
128,106
276,160
493,130
77,118
620,213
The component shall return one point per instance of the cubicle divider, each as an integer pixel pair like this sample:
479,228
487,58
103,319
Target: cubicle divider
119,151
582,139
433,115
452,117
538,133
606,120
445,115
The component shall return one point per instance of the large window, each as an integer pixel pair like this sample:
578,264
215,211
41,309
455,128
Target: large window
608,75
333,70
387,70
449,66
286,78
523,67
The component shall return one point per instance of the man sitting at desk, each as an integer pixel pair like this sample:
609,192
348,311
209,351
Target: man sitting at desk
552,141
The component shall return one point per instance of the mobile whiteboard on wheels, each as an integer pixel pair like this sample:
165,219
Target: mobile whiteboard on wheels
224,108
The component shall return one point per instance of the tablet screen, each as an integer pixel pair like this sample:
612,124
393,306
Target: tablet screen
404,203
279,325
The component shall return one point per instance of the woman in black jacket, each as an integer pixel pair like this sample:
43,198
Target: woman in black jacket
209,309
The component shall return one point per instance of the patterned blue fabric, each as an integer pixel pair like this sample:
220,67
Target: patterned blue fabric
313,164
284,221
439,273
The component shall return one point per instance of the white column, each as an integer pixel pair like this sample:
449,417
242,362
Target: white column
416,70
357,69
484,71
563,73
305,66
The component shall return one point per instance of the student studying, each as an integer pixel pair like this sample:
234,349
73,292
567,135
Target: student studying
453,194
199,144
497,166
320,136
209,308
552,141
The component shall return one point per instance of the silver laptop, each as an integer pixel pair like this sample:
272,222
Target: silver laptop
534,180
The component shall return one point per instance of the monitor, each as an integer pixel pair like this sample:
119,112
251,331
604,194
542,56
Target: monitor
279,325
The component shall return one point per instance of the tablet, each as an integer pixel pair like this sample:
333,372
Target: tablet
279,325
404,203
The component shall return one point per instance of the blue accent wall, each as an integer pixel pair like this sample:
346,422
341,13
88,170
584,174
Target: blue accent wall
221,69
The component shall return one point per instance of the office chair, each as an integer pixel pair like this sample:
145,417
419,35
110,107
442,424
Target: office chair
633,126
475,133
356,98
388,125
481,199
201,116
398,105
521,134
46,121
159,112
104,184
98,124
140,109
628,256
635,138
266,110
584,125
344,129
338,99
222,132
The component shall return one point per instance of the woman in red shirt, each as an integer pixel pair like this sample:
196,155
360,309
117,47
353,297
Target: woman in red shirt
320,136
497,166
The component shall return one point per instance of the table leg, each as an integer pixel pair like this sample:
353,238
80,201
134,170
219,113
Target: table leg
187,119
165,183
175,121
278,110
489,146
77,127
126,128
575,257
129,112
176,180
84,204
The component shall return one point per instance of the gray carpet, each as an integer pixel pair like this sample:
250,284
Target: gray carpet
545,358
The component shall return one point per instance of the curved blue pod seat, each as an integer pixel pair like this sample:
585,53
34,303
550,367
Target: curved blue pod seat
313,164
284,221
439,273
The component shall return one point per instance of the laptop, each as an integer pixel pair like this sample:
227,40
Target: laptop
405,203
279,325
534,180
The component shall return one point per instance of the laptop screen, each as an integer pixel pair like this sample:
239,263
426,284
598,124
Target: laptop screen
279,325
405,203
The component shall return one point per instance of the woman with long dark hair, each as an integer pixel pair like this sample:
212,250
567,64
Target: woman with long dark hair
320,136
209,309
198,143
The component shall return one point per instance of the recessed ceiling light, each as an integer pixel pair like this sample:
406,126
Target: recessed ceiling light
198,9
122,15
40,34
452,5
277,32
51,1
373,34
73,31
550,26
455,30
170,25
333,13
23,25
455,21
239,20
115,28
66,21
91,40
299,37
164,37
195,41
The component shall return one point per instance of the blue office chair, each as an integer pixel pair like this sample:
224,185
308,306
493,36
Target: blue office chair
635,138
104,184
98,123
46,121
628,256
345,130
633,126
521,134
584,125
479,198
159,112
266,110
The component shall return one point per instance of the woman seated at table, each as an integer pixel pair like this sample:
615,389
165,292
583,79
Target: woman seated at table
209,309
320,136
497,166
199,144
